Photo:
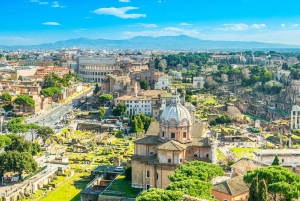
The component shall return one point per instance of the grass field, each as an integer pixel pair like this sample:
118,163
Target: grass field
240,152
220,155
68,190
122,185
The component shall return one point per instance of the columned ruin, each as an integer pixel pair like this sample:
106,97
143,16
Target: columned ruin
294,117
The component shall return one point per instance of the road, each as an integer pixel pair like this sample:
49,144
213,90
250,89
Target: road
55,115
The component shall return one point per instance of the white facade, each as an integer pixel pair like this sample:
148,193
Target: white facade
135,104
198,82
162,83
176,75
94,69
282,72
285,156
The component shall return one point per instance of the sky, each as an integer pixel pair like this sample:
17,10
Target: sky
29,22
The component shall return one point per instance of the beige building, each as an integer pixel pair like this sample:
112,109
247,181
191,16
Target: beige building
169,143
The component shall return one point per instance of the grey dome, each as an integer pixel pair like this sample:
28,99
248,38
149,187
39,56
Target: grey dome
175,113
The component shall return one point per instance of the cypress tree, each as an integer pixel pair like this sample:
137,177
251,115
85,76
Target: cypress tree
276,161
263,190
253,190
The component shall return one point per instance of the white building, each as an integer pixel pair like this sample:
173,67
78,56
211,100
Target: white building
94,69
176,75
198,82
282,72
136,104
162,83
285,156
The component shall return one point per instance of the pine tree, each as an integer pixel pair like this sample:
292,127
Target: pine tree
276,161
263,190
253,190
96,90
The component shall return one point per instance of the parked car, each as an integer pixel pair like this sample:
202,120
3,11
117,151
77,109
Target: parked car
119,169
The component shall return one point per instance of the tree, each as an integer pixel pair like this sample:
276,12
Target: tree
144,84
246,73
162,64
8,107
50,91
262,190
18,143
6,97
24,100
102,112
128,173
276,161
196,170
119,110
282,183
45,132
119,134
212,122
285,66
104,98
97,89
17,162
253,190
16,125
33,128
224,78
4,141
159,195
192,187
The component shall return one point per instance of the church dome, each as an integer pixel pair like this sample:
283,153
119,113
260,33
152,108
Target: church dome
175,113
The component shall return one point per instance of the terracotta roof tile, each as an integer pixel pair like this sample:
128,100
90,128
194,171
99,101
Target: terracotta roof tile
172,146
234,186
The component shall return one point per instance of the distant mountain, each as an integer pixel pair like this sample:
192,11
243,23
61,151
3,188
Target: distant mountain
181,42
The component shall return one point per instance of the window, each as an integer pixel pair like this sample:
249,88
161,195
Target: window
206,155
282,160
181,160
172,135
163,134
169,160
157,176
184,134
151,153
225,200
147,173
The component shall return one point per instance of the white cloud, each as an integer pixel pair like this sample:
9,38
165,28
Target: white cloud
119,12
40,2
51,23
167,31
282,25
56,5
124,1
294,25
258,26
234,27
147,25
185,24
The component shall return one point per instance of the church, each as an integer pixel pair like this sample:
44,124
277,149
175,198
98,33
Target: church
172,141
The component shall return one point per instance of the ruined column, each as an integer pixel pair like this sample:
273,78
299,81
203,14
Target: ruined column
292,119
296,119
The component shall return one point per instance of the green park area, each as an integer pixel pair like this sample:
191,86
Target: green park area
240,152
121,187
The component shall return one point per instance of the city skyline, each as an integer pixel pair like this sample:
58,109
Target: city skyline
32,22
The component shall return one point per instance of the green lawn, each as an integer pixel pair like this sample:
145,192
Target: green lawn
68,190
220,155
122,185
240,152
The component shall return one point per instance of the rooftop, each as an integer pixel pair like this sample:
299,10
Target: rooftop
234,186
273,152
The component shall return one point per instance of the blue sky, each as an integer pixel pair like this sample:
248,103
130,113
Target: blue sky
26,22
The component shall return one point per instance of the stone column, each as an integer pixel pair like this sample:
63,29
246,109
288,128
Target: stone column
213,151
296,119
292,119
